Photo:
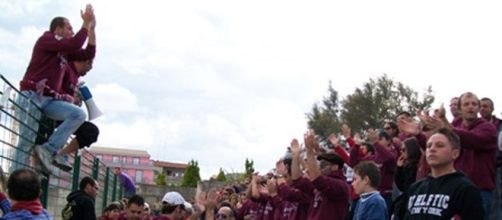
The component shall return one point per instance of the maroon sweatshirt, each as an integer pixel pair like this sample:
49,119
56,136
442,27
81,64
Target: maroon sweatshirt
252,208
331,196
478,159
295,203
70,78
387,160
49,59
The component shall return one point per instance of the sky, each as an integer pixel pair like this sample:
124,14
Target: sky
222,81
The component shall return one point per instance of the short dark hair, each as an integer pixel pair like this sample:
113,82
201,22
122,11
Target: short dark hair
394,126
466,94
24,185
488,100
369,147
407,114
86,181
413,150
383,134
451,136
136,199
57,22
369,169
112,207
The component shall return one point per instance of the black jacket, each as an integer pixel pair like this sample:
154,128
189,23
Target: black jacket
81,206
443,198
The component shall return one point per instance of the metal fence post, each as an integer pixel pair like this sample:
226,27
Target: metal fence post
121,191
76,172
45,190
114,187
105,192
95,169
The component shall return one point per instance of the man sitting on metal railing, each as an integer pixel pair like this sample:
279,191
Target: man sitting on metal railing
50,61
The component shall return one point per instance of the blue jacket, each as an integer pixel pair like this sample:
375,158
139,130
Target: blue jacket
371,206
26,215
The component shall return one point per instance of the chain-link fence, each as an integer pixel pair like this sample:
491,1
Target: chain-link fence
23,125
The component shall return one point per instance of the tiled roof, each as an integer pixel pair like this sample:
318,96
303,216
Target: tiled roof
158,163
119,151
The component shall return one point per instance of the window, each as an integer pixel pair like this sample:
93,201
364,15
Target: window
135,160
100,157
139,176
115,159
124,160
169,172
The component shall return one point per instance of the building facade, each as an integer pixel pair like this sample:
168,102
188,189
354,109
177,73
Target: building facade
173,171
135,163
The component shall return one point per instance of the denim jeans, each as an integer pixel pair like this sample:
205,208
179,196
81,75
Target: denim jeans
486,200
71,115
28,116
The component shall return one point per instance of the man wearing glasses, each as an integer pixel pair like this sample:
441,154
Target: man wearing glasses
225,213
81,203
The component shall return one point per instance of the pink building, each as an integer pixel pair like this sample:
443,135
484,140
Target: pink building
136,163
173,171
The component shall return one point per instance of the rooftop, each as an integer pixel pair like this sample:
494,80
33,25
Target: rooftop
119,151
158,163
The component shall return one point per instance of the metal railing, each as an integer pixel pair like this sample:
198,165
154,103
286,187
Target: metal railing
22,125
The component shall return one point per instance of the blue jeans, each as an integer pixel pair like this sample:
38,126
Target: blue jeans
28,114
59,110
486,200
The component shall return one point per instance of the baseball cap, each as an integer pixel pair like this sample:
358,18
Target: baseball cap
188,207
173,198
332,158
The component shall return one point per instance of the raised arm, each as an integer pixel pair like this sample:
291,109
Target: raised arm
310,144
295,163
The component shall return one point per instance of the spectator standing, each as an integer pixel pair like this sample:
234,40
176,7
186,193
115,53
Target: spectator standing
126,182
81,203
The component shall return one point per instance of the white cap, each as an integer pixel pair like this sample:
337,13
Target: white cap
188,207
173,198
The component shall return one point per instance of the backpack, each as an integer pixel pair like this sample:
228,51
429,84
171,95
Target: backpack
67,212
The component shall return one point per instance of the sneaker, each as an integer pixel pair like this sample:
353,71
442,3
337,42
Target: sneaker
44,156
61,162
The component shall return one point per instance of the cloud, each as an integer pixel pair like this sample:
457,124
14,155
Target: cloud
221,81
115,98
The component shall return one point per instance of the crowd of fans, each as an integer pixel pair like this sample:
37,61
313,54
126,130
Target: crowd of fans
411,168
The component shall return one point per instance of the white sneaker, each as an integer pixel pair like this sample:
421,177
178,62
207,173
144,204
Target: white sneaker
60,162
44,156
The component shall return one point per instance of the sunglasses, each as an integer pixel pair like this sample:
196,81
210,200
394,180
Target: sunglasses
221,216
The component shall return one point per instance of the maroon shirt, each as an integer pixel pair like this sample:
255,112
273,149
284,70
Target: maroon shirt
387,160
49,59
330,196
70,78
478,159
295,203
161,218
252,208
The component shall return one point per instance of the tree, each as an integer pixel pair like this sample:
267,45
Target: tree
160,179
379,100
221,176
249,168
191,176
324,118
370,106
